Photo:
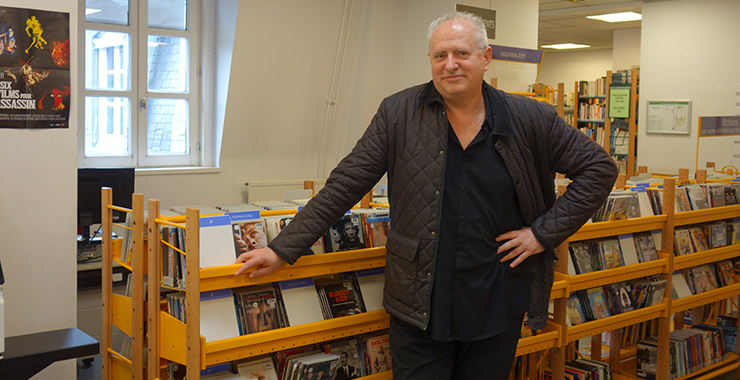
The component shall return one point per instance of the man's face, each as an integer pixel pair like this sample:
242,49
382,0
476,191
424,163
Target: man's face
253,236
458,64
350,230
343,359
260,317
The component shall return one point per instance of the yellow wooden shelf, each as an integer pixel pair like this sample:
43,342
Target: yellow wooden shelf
618,227
548,338
614,275
121,312
706,257
708,215
560,288
222,277
174,345
614,322
704,298
714,370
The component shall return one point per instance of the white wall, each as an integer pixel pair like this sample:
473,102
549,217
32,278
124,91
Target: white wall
277,122
572,66
689,51
38,197
626,48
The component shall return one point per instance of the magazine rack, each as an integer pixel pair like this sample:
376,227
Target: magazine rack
171,340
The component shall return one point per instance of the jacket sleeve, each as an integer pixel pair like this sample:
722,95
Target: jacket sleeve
351,179
592,172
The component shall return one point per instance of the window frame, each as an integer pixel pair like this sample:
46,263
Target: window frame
138,30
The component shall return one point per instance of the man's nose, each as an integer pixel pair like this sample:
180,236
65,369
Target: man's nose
450,62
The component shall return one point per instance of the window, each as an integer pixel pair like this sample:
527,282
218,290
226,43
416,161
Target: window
141,93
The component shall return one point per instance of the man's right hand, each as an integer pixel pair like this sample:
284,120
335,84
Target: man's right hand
264,260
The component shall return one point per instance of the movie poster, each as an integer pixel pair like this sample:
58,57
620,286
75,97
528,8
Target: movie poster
34,68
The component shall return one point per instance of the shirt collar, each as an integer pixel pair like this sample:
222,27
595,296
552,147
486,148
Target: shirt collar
495,107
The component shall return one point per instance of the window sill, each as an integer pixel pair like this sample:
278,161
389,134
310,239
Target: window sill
179,170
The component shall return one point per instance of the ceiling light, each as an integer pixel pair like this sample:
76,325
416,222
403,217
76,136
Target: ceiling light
617,17
89,11
565,46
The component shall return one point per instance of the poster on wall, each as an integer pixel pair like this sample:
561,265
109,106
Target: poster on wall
34,69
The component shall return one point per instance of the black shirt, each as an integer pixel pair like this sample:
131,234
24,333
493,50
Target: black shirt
474,294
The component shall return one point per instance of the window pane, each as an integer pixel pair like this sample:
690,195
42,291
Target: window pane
107,126
167,126
107,11
168,14
107,60
167,61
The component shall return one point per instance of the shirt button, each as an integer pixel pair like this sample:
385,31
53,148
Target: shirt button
441,152
436,192
424,313
433,233
429,274
462,188
462,217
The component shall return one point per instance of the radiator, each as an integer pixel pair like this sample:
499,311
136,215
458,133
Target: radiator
259,191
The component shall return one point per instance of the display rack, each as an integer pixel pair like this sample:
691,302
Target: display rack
626,160
168,339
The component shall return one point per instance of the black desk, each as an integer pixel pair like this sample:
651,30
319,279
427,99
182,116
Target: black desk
26,355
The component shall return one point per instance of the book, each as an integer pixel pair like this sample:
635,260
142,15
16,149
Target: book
645,246
703,278
258,309
580,253
598,303
216,241
346,234
301,301
321,366
717,235
218,317
724,272
258,368
647,358
611,253
350,364
248,231
339,296
697,197
682,242
378,353
698,239
376,230
574,310
682,199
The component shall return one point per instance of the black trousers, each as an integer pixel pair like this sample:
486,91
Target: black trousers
417,357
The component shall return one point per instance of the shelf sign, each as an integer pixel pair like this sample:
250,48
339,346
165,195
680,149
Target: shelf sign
719,125
508,53
488,16
619,101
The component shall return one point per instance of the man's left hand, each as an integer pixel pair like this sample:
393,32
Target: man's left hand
522,244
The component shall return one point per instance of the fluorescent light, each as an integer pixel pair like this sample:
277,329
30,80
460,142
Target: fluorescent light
617,17
565,46
89,11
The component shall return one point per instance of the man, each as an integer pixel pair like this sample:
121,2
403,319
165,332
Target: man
474,217
345,371
251,236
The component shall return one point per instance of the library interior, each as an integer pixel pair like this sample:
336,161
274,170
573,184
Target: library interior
148,144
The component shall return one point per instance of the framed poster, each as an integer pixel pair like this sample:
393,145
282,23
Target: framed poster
619,101
669,117
34,68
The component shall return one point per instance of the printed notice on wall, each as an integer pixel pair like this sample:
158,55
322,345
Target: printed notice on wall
34,68
737,99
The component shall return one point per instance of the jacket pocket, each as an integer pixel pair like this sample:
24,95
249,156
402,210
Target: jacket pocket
401,267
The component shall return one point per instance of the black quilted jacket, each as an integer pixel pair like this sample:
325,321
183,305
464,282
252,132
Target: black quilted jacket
407,139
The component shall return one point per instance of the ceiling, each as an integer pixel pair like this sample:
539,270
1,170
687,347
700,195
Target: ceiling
564,21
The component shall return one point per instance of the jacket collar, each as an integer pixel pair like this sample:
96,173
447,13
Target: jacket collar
495,107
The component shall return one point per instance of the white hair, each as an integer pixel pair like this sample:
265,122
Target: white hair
481,38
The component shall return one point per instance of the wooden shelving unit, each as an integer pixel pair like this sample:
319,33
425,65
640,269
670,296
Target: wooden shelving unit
171,340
